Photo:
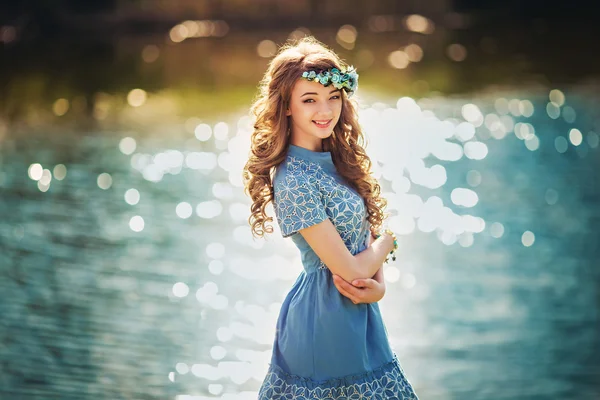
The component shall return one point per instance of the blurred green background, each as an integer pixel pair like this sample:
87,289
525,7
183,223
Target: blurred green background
127,267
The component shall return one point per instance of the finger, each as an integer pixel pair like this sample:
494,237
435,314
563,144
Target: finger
358,282
363,283
338,280
343,286
339,284
354,291
346,293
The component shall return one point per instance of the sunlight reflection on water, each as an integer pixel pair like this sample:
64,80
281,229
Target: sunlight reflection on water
472,191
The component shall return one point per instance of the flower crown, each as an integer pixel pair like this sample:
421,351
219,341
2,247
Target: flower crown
346,79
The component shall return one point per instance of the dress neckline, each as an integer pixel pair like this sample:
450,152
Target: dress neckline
320,157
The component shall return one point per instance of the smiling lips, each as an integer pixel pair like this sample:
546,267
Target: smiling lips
322,124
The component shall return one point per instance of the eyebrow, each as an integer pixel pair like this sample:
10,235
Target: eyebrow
315,93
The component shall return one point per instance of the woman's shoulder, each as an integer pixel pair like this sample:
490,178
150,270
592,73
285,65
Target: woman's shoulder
295,169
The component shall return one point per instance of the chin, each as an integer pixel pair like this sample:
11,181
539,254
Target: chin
324,135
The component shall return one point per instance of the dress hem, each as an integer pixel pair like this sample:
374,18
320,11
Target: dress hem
375,373
385,382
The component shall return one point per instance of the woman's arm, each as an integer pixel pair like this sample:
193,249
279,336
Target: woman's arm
362,290
379,277
326,242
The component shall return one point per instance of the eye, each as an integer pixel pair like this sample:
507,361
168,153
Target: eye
337,96
308,101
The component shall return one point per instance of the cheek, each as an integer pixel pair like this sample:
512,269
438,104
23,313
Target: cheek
338,108
299,110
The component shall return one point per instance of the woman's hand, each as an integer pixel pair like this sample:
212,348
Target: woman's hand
362,290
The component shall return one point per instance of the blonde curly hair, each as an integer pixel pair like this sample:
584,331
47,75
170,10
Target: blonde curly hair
270,138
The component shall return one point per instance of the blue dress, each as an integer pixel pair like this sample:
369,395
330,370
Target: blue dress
326,347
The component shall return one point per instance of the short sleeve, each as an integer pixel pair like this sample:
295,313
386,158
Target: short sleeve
297,204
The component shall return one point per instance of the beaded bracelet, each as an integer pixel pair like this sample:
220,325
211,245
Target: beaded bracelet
393,252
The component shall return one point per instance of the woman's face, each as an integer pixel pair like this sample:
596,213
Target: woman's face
314,111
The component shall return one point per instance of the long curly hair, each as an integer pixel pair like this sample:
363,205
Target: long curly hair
270,138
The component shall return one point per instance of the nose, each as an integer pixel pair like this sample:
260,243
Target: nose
325,110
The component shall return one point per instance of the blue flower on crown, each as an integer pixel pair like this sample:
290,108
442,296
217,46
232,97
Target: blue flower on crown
336,78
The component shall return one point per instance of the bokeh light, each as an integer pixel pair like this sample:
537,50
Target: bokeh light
569,114
150,53
419,23
60,107
183,210
60,172
104,181
136,97
346,36
528,238
557,97
497,230
575,137
266,48
35,171
178,33
593,139
127,145
414,52
180,289
456,52
299,33
398,59
203,132
136,223
561,144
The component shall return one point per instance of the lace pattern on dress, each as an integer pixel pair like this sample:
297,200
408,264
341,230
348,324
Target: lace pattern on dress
385,383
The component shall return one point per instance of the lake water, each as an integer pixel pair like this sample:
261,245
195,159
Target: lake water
129,271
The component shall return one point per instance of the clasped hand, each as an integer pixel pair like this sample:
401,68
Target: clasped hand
367,290
360,290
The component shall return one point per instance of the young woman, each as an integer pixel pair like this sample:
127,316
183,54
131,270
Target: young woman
307,157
